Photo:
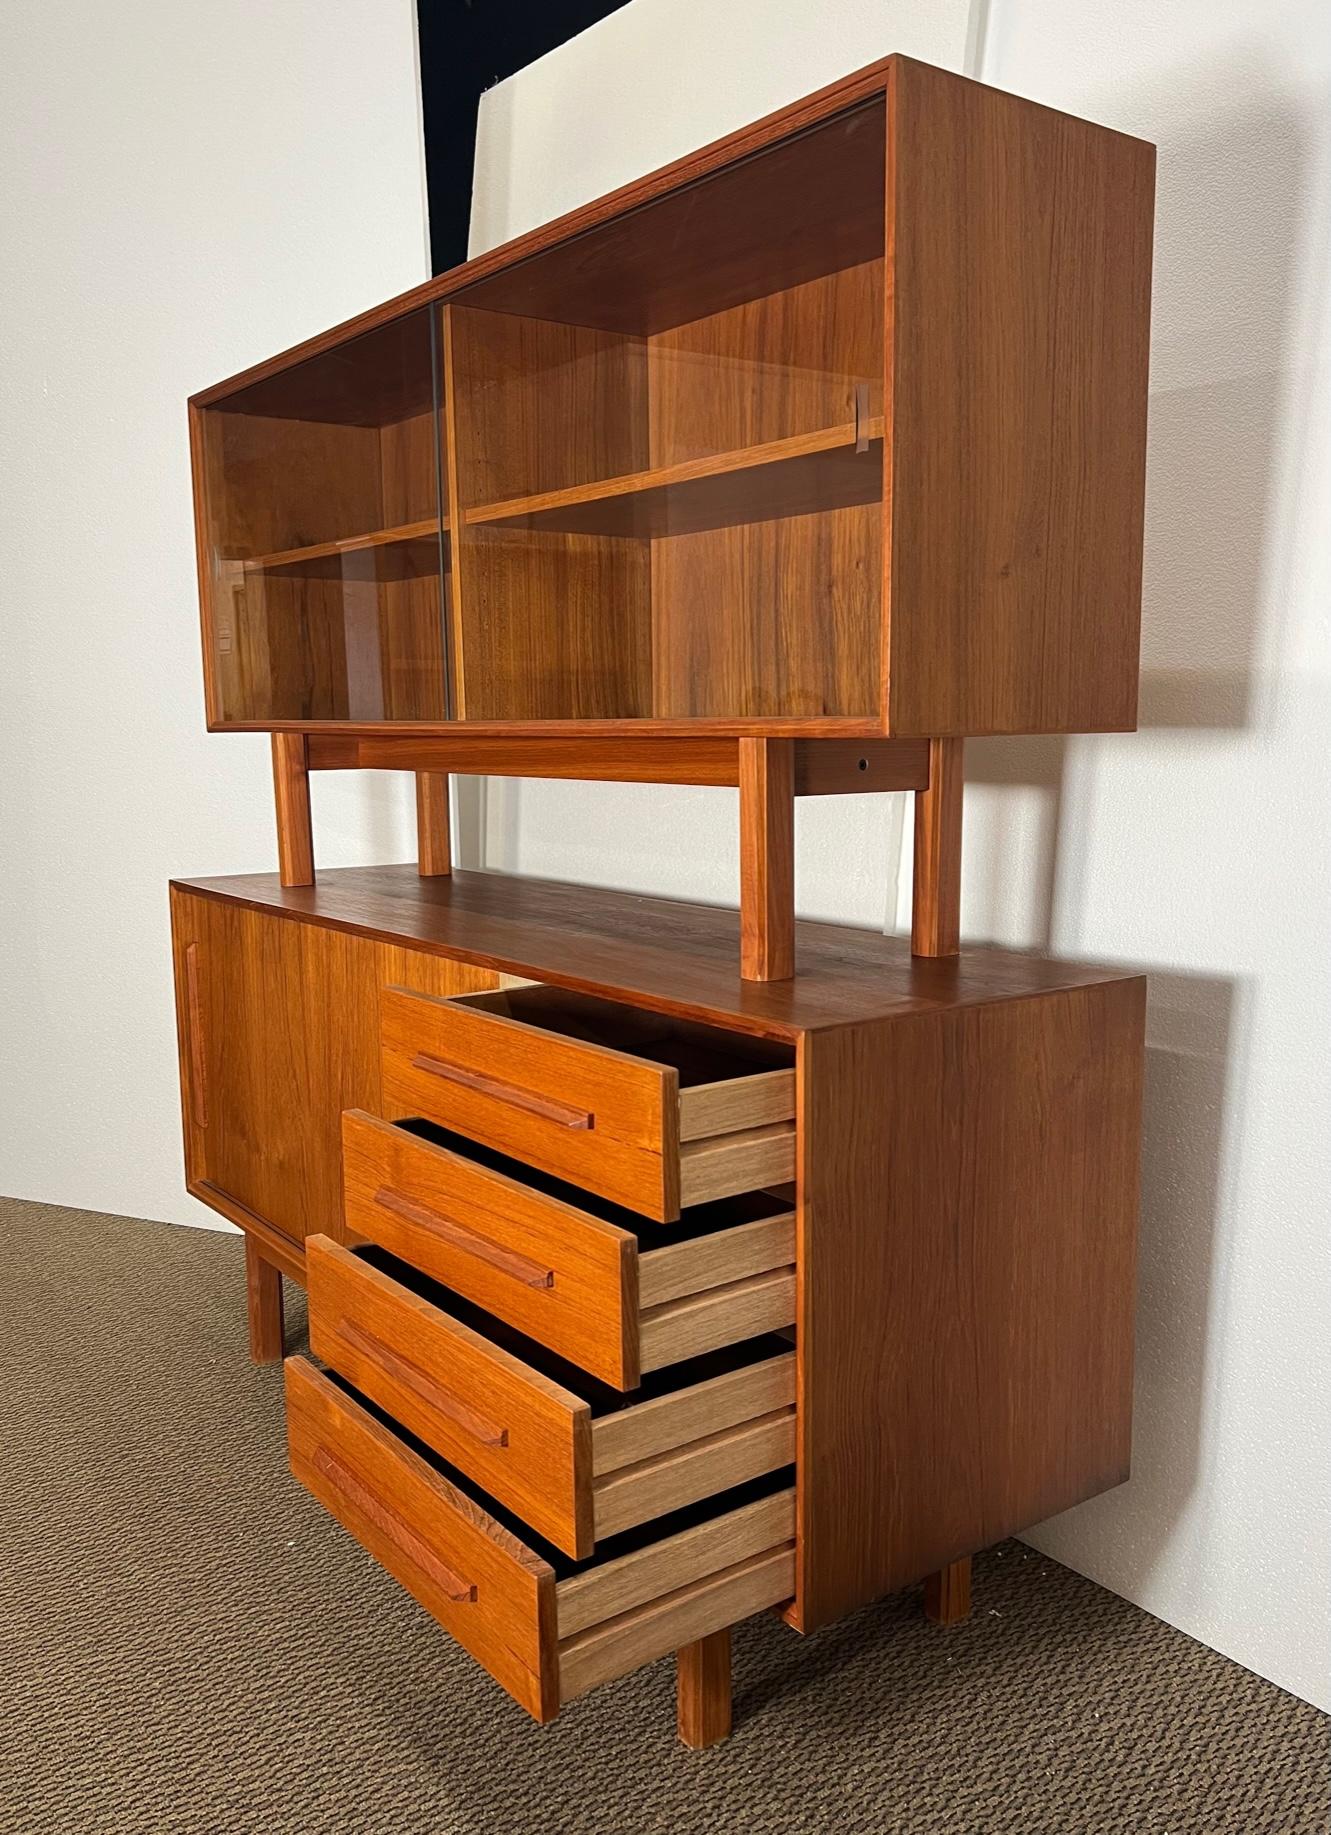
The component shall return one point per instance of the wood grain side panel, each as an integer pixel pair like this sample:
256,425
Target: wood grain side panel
1020,288
482,1234
526,1439
429,1537
967,1239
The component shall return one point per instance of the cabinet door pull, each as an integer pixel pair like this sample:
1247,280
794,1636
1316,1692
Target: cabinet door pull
444,1229
198,1086
390,1524
563,1114
476,1426
861,417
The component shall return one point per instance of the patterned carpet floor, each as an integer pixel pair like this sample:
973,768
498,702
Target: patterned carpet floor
188,1646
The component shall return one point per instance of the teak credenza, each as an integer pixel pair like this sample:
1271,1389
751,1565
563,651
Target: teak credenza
667,1264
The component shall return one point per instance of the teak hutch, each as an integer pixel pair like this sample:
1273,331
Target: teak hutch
667,1265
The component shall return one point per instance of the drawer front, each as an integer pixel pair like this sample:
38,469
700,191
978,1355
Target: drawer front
599,1118
532,1443
549,1270
492,1594
544,1641
523,1437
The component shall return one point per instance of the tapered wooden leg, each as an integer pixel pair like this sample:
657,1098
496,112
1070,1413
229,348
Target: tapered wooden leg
432,850
935,928
703,1688
947,1594
766,859
291,789
263,1287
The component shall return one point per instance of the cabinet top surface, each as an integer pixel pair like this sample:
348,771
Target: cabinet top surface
652,952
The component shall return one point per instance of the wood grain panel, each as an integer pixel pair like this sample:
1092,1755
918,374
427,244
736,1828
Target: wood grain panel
791,361
968,1223
524,1438
735,630
482,1585
625,1147
676,959
285,1021
553,627
1020,282
467,1227
549,625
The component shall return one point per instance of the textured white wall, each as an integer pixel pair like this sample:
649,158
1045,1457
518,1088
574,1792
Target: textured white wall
187,188
1196,849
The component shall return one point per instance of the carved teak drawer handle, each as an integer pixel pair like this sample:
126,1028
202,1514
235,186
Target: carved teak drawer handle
390,1524
429,1391
563,1114
504,1261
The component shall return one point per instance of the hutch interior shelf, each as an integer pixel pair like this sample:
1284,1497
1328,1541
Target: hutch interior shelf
666,1265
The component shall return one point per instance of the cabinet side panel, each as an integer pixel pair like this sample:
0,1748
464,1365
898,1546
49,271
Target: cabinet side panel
1020,275
280,1026
969,1187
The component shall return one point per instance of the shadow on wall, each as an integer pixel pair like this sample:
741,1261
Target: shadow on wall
1222,400
1226,437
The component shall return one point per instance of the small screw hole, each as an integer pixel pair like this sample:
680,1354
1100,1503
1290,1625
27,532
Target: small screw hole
864,764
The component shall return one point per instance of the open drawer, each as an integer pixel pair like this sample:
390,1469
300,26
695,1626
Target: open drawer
545,1627
590,1279
654,1113
576,1460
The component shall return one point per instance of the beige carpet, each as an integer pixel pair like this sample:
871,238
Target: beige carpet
187,1644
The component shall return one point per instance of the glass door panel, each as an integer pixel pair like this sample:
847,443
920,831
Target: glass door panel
668,448
326,548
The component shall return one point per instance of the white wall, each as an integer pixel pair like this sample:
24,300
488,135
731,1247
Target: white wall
187,188
1196,849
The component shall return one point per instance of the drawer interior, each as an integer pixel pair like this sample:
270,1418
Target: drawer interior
701,1054
696,1221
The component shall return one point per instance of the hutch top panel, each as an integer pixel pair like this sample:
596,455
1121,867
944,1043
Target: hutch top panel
836,427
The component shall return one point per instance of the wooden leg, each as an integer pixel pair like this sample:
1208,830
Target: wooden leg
947,1594
935,928
703,1688
291,788
432,840
766,859
263,1287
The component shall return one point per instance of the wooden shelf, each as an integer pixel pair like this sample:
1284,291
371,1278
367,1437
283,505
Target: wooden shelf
351,544
788,477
